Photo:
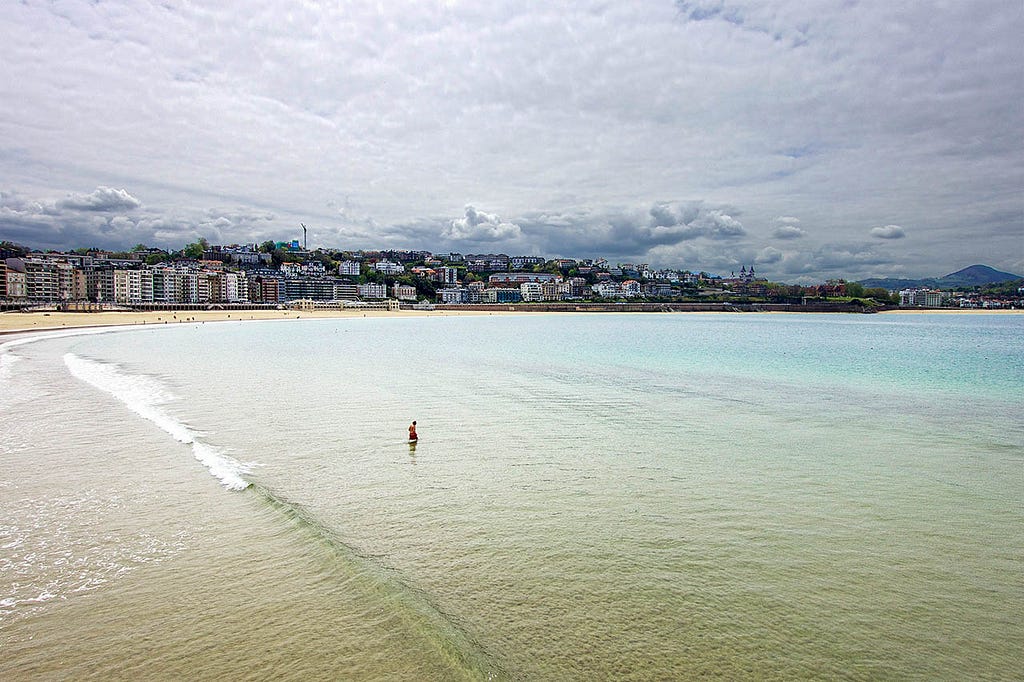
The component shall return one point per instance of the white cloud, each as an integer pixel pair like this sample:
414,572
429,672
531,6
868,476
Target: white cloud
788,232
888,232
478,226
105,199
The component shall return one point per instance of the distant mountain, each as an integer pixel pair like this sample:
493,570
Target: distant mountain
975,275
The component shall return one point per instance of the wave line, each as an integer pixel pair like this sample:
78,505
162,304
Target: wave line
451,641
144,395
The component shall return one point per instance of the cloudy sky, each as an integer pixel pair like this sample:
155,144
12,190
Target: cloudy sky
811,139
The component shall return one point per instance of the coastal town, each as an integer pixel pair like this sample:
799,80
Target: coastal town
289,274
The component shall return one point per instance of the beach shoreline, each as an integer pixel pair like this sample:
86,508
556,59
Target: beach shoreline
21,322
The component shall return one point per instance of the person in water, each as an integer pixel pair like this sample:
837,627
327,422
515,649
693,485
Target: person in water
412,432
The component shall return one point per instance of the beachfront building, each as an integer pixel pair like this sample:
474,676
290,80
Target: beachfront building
403,292
372,290
233,287
551,291
475,292
133,286
345,291
573,288
607,289
502,295
15,281
265,289
928,298
531,292
41,279
454,295
99,283
516,278
313,288
164,285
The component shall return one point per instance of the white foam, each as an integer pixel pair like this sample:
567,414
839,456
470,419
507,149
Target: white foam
144,395
7,358
6,362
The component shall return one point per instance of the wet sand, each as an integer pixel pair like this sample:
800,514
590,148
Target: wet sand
13,322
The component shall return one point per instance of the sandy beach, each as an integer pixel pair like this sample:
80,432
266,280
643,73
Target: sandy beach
15,322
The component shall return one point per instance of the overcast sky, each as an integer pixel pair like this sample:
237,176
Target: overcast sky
810,138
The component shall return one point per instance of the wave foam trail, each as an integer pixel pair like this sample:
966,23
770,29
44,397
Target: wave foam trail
6,360
143,395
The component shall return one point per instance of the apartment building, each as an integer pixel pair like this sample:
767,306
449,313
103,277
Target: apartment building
388,267
928,298
453,295
348,268
531,292
403,292
133,286
524,262
372,290
15,279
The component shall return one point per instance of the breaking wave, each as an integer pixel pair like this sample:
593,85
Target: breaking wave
144,395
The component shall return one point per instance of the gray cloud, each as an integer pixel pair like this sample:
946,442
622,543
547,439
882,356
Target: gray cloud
788,227
888,232
113,219
477,226
553,118
769,255
833,260
106,199
629,233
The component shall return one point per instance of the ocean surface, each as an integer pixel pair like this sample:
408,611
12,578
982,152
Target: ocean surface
593,497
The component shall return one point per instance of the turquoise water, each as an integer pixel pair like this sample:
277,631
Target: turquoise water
592,497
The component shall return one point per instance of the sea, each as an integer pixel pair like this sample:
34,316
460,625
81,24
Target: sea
593,497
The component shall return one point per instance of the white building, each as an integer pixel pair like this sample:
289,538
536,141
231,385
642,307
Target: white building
922,297
447,275
372,290
607,289
349,268
235,287
389,268
631,288
453,295
531,291
133,286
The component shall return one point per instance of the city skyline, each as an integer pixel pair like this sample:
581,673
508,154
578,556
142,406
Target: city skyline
849,140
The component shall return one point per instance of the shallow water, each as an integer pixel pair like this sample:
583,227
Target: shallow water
592,497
